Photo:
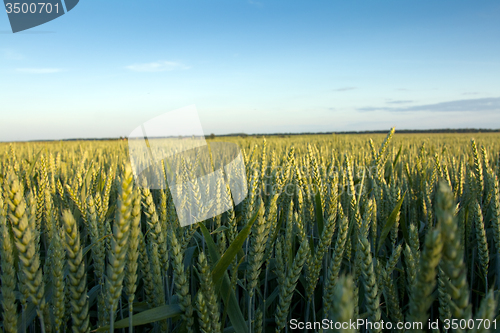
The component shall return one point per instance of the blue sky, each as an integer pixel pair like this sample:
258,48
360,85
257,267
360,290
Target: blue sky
253,66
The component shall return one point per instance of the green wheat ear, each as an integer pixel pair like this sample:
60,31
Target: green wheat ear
98,248
315,262
334,269
119,244
156,234
8,276
343,304
256,253
478,171
77,278
131,274
421,293
203,315
391,297
452,263
369,282
443,295
181,281
288,287
207,292
482,242
31,282
487,311
57,260
147,275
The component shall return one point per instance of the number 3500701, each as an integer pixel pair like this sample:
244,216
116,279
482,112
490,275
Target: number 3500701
469,324
32,8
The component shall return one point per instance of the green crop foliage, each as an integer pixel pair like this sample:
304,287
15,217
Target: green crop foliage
335,227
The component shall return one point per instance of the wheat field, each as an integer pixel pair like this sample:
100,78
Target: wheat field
396,228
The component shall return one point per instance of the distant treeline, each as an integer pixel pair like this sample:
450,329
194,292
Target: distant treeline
442,130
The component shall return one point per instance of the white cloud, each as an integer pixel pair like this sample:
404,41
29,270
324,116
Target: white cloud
255,3
158,66
463,105
39,70
10,54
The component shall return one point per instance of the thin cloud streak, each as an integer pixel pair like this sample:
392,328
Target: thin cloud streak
158,66
464,105
39,70
344,89
400,102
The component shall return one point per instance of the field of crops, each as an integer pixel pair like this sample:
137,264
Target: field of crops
397,228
